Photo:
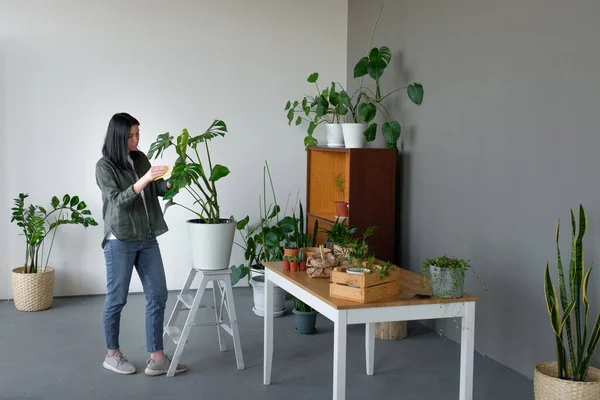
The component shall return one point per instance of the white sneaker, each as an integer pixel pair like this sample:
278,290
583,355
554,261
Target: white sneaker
154,368
118,363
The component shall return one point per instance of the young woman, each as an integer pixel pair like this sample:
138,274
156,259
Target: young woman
132,221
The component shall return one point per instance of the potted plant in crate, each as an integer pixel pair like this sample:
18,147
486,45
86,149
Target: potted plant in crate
327,106
571,376
365,103
306,317
211,237
446,276
33,283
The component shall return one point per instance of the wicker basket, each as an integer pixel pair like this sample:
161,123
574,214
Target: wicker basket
33,292
548,387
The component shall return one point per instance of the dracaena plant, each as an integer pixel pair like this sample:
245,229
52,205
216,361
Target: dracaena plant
576,354
328,105
365,103
37,223
190,173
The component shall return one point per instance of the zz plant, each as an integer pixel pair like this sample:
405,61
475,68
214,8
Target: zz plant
198,178
570,311
37,223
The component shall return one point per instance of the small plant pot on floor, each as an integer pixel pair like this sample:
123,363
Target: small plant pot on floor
33,291
258,290
547,386
305,321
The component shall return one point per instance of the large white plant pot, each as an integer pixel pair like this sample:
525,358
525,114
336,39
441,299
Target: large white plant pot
258,289
335,137
211,243
353,135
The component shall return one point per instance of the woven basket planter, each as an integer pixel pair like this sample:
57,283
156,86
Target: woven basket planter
548,387
33,292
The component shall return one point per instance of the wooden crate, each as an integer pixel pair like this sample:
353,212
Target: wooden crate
365,287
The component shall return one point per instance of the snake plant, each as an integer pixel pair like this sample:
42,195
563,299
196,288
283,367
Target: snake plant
575,306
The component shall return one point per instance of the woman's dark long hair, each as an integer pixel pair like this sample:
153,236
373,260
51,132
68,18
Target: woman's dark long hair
115,142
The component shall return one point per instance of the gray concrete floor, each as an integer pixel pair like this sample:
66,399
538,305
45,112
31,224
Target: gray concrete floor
58,354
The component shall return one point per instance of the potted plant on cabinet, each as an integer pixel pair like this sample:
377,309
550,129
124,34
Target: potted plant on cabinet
327,106
341,206
306,317
365,103
446,276
571,376
210,236
33,283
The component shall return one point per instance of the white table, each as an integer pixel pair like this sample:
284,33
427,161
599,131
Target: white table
403,307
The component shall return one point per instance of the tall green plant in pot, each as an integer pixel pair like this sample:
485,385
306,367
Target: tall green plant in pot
366,102
327,106
571,376
33,283
211,237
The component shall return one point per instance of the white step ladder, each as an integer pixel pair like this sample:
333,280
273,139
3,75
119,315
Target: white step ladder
222,291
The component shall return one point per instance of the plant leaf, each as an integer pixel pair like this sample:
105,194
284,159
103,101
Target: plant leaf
371,132
218,172
290,116
310,141
312,78
298,120
288,105
376,64
415,93
360,69
391,132
74,201
385,54
367,111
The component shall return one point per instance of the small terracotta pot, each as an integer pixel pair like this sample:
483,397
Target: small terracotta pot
293,266
303,266
291,252
341,209
286,265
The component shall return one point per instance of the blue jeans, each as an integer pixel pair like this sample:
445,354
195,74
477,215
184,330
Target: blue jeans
120,258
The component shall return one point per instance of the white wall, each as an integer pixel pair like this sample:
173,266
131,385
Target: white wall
504,144
67,66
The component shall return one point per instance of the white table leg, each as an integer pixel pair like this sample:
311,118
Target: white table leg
370,346
467,349
340,331
268,345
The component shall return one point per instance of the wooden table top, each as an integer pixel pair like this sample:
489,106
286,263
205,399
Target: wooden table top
319,287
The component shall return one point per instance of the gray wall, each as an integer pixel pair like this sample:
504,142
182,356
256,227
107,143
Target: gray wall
504,144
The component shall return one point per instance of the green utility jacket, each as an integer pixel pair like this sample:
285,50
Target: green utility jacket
122,209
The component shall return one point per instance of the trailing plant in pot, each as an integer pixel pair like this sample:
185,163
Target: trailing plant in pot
365,103
446,275
211,237
33,283
327,105
571,376
306,317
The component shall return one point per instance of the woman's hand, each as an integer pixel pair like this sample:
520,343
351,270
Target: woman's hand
155,172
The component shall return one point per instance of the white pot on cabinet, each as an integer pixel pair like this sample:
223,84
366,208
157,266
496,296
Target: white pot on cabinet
354,137
335,137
